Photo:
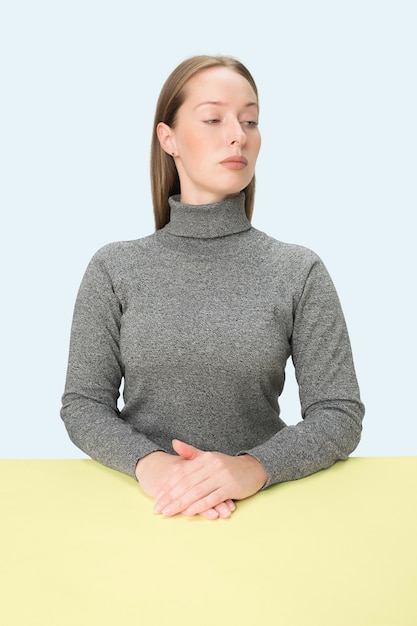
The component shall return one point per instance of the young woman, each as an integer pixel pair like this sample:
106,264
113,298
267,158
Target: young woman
200,317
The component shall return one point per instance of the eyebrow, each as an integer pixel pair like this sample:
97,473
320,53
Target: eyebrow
220,103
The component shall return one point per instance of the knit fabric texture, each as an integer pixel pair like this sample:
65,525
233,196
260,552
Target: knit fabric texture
198,320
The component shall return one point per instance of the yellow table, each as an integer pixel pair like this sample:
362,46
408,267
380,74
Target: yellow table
79,545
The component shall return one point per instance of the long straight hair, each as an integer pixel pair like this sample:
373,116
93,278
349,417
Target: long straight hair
164,176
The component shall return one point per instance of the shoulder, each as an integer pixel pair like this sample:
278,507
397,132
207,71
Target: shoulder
119,254
283,253
120,249
291,266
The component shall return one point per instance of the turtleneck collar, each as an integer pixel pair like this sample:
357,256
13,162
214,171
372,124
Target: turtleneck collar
207,221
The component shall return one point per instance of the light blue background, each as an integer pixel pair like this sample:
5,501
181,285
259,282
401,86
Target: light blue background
337,173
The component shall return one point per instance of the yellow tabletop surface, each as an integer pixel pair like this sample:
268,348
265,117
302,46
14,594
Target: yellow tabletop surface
80,545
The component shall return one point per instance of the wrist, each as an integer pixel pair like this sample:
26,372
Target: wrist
146,461
257,470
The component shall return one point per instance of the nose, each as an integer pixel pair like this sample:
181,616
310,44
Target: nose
235,134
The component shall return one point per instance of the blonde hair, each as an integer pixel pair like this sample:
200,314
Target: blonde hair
164,177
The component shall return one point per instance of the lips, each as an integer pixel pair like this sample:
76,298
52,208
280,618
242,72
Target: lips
235,162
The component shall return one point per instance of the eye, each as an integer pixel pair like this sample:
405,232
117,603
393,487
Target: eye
212,121
250,123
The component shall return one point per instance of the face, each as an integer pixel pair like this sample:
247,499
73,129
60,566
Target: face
215,139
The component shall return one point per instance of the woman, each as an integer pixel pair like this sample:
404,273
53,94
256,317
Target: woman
200,317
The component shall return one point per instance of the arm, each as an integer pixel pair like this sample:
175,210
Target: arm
95,370
330,402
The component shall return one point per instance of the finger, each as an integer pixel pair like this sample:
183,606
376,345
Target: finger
186,494
185,449
223,510
211,514
211,501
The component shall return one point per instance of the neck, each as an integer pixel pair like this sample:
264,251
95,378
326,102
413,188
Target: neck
207,221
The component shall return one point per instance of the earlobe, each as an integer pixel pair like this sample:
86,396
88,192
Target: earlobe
166,139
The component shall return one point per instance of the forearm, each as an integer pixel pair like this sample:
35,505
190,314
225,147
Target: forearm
329,433
98,431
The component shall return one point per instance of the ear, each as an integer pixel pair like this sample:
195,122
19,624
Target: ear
166,138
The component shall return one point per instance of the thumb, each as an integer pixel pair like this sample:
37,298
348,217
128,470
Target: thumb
185,450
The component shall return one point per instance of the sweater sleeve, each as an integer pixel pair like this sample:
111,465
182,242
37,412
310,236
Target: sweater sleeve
95,371
331,408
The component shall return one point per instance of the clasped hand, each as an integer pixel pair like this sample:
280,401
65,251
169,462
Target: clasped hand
197,482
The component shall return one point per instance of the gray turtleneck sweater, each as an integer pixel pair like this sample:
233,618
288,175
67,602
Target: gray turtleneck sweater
198,320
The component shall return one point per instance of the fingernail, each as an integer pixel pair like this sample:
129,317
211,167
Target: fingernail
190,511
168,510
